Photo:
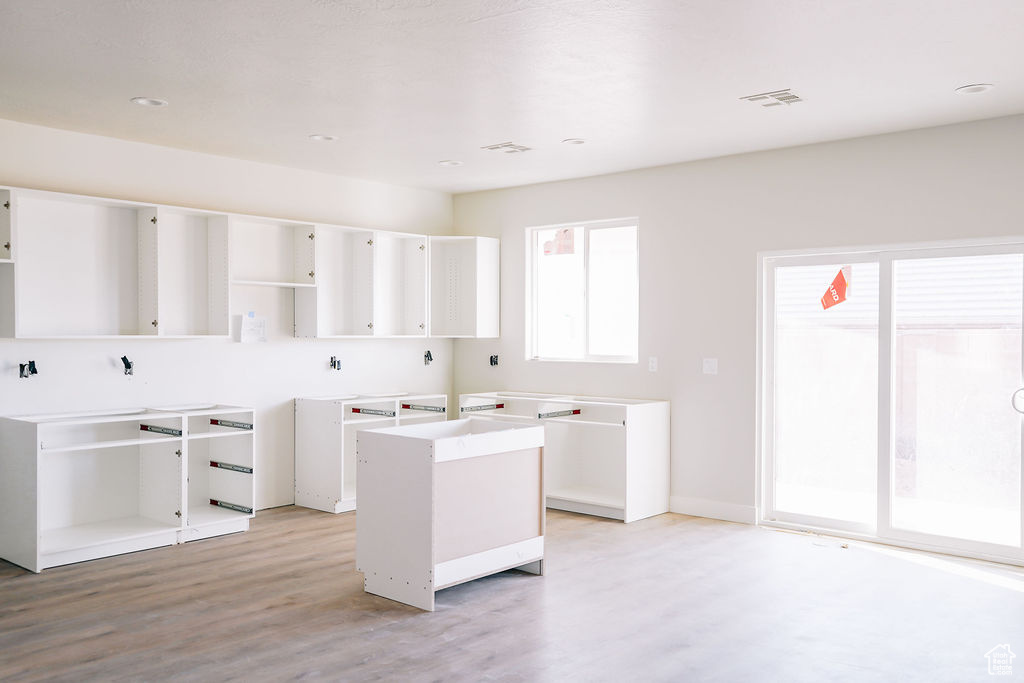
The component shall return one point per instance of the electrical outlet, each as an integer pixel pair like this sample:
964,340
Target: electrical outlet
494,360
652,363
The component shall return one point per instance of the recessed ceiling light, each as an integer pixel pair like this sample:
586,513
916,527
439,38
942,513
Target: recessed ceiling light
973,89
573,141
149,102
320,137
449,162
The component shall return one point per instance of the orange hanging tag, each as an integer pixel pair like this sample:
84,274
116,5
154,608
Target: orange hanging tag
838,290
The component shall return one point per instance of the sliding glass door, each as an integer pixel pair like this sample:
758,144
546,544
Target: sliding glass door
956,363
826,396
887,410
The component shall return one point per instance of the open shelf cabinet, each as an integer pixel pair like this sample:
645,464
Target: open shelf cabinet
77,267
86,267
325,441
193,271
77,487
369,283
272,253
89,267
603,456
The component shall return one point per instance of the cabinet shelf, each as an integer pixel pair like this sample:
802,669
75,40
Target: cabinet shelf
364,420
265,283
200,515
427,417
595,423
586,497
100,533
100,445
218,435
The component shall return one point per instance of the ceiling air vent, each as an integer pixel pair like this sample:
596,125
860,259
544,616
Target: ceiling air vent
507,148
774,98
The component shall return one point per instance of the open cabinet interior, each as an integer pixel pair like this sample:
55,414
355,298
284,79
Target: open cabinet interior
400,297
342,304
193,273
106,495
327,438
369,283
80,486
603,456
272,253
86,268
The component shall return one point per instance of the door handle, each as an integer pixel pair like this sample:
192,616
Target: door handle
1017,400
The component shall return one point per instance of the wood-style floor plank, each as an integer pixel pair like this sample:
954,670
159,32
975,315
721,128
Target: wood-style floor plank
665,599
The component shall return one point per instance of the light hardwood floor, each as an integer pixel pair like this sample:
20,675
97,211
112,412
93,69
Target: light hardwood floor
671,598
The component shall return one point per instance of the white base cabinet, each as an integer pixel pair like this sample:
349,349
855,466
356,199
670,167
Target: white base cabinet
603,456
76,487
445,503
325,440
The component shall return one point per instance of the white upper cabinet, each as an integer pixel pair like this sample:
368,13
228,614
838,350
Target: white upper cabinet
87,267
464,275
192,273
272,253
369,283
7,209
6,236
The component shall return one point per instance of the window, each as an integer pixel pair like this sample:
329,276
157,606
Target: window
583,292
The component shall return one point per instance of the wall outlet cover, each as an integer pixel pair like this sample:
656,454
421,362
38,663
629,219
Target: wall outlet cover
709,366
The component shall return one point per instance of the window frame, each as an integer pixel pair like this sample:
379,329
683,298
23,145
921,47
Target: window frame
530,310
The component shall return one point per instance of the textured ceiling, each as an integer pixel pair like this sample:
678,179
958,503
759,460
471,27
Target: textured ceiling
406,83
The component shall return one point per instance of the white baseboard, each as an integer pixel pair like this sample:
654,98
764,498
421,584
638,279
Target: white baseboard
702,507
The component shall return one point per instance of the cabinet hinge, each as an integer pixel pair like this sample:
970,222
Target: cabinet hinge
7,246
370,325
370,242
153,220
178,513
177,453
155,323
7,205
310,235
311,273
423,247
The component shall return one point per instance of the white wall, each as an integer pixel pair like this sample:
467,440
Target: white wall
76,375
701,226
